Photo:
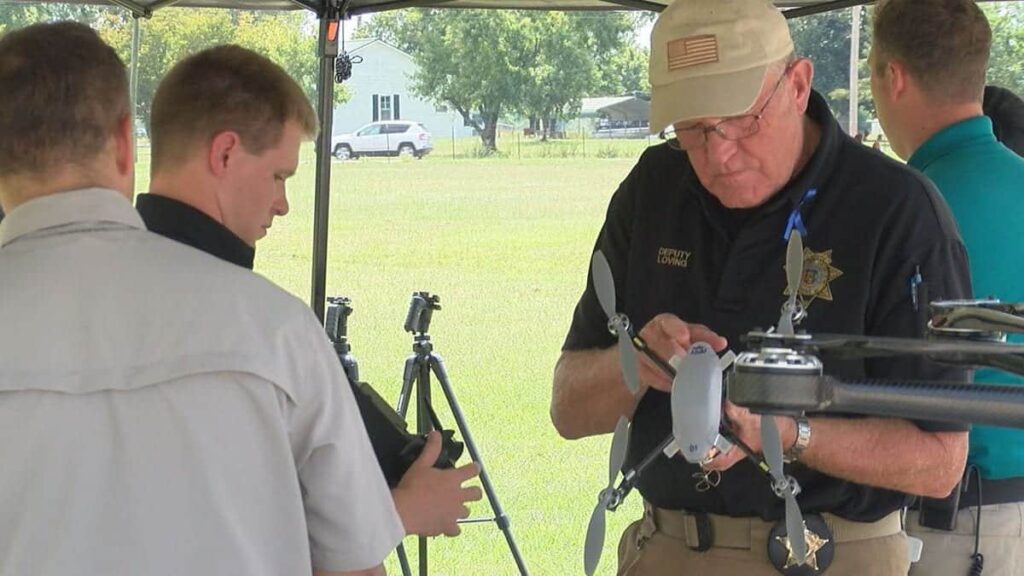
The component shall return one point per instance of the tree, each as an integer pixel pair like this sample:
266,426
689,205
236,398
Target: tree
571,49
825,40
475,61
485,63
624,72
288,39
1006,65
173,33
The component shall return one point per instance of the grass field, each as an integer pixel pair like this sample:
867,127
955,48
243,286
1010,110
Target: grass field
506,244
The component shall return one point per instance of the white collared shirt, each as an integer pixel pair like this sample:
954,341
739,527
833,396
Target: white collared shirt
164,412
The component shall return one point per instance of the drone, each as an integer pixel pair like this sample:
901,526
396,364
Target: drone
781,374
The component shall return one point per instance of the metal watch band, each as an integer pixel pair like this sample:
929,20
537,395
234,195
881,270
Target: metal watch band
803,439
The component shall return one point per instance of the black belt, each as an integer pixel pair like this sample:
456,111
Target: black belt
993,492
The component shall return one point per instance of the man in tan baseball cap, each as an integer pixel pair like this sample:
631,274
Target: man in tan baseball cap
696,240
710,58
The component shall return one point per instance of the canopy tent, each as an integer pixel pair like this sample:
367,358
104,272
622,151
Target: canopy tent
356,7
330,13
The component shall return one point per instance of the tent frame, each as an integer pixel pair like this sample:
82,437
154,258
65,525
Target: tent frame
330,14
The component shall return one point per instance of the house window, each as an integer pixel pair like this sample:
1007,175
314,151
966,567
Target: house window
385,108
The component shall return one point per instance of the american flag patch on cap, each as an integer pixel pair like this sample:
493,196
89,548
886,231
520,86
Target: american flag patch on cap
691,51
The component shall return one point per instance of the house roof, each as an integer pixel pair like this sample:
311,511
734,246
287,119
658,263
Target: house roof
355,45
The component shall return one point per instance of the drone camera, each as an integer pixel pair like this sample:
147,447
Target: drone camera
421,309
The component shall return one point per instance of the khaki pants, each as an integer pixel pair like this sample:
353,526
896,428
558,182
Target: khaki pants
949,553
646,550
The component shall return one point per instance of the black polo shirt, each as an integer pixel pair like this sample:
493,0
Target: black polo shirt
871,224
179,221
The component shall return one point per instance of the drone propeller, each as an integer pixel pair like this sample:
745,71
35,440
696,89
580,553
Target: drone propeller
848,346
784,486
618,324
791,312
972,316
696,402
607,499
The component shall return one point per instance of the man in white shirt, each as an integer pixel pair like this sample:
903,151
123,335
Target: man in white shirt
162,412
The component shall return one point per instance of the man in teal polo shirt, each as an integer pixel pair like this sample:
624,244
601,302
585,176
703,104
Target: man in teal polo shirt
928,63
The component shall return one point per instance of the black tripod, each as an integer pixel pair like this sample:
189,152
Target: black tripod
418,368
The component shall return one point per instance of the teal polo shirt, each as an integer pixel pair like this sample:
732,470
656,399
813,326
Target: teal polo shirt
983,183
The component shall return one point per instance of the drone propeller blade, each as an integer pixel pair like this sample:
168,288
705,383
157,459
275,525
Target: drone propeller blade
696,401
604,283
627,356
794,263
594,542
795,525
771,444
617,455
794,272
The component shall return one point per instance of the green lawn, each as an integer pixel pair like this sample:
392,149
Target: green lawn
506,244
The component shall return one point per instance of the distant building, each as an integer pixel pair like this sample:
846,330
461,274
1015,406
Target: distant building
617,116
381,89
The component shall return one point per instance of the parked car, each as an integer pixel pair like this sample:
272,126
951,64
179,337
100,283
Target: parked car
386,138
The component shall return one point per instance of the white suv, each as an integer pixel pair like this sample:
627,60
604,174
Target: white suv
388,138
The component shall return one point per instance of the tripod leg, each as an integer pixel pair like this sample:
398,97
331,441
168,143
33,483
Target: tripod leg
500,518
419,365
403,561
407,379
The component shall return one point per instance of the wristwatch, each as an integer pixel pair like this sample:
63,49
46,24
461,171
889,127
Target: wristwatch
803,439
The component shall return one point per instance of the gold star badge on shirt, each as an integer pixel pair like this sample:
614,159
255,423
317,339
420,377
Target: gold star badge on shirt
817,276
814,543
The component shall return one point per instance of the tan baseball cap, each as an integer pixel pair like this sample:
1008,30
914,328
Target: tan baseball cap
709,58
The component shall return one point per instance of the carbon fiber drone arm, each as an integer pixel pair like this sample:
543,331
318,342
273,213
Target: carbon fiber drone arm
937,401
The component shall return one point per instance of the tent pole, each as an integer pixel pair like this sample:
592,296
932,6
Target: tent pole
330,30
133,82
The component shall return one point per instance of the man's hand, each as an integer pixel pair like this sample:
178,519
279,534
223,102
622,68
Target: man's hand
746,426
431,501
666,335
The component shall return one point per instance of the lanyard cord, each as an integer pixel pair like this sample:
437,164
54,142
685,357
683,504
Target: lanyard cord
796,221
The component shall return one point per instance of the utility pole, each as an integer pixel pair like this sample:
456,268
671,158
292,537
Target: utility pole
854,60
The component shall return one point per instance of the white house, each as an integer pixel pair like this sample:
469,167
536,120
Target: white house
381,89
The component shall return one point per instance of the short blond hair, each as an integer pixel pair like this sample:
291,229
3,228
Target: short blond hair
225,88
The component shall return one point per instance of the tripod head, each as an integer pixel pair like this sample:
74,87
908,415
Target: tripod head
339,308
421,309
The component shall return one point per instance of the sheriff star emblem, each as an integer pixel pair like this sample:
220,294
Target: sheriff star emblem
814,543
817,276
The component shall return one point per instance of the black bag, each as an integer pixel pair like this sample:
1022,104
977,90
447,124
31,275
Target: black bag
395,447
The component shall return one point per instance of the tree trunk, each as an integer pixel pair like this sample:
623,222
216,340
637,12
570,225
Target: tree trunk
489,134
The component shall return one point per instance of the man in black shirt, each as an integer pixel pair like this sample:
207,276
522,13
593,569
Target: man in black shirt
753,153
226,129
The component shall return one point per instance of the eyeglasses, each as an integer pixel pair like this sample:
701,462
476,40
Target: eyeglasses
732,128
